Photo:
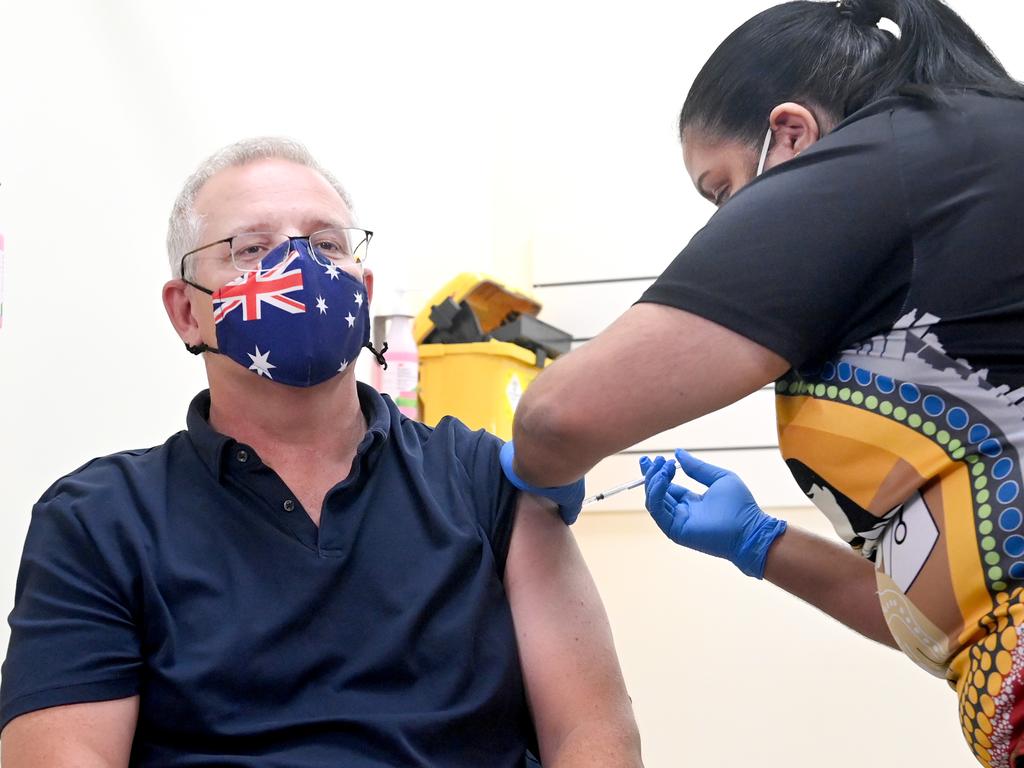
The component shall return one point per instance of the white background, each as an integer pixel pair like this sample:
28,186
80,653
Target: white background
535,141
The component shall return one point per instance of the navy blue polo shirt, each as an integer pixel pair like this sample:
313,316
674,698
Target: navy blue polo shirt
189,574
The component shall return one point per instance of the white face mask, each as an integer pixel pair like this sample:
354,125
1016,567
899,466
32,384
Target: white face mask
764,153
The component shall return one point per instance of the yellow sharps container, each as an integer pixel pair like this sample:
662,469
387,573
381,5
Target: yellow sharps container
480,346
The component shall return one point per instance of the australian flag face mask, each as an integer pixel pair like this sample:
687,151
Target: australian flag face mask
295,321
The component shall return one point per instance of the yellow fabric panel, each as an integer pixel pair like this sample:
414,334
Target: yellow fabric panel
862,448
882,433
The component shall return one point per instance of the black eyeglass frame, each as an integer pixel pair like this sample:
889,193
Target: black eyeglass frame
230,240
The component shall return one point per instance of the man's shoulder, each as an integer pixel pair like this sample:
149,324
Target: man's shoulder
101,482
450,435
452,455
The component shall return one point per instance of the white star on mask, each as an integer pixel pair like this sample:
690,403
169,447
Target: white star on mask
260,364
344,365
321,305
359,299
351,320
333,271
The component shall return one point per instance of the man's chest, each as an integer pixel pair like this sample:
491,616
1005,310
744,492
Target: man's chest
256,617
310,484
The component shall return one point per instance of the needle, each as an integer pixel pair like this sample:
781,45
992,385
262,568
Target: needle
615,490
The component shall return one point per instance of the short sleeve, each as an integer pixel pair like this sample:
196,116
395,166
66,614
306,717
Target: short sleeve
811,257
73,638
495,498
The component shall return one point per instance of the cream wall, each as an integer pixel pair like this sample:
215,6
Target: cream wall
727,672
533,140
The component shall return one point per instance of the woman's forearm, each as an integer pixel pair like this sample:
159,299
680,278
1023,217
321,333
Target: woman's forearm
831,577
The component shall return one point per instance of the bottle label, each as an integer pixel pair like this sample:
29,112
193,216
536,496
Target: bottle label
408,406
401,382
406,377
401,378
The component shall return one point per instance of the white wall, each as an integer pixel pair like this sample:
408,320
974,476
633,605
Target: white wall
533,140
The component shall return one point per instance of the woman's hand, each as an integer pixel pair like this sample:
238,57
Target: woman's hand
724,521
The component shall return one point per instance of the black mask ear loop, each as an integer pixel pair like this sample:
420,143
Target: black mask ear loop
198,349
378,355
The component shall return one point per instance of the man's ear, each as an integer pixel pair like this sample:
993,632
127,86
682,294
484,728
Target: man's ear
368,282
178,304
795,129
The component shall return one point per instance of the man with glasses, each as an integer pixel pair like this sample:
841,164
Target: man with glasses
303,577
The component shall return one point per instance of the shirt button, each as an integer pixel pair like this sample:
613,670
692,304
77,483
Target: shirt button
242,456
289,505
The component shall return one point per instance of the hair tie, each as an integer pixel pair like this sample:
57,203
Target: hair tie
863,16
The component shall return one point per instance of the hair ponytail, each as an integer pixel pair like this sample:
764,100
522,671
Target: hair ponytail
834,57
936,51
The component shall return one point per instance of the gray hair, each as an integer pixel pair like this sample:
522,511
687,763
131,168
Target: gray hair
185,223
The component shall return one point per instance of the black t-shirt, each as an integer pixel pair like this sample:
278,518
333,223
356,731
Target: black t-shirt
886,264
903,206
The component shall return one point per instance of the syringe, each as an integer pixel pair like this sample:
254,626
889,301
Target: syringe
615,490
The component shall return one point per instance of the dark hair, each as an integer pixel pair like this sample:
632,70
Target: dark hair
834,57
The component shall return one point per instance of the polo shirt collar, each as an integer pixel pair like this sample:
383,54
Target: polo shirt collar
378,419
208,442
211,444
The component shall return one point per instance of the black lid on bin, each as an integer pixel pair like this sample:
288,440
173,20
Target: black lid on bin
472,308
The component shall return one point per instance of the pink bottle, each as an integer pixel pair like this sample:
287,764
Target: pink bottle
401,379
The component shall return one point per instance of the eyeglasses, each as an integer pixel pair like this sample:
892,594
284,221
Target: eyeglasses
258,251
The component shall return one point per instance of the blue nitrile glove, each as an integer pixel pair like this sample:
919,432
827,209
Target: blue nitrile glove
569,498
724,521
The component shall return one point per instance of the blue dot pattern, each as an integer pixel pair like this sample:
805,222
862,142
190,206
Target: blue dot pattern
1010,520
978,433
1014,546
957,418
991,448
1002,468
1008,492
909,393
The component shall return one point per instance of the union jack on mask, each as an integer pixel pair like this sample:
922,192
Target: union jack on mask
295,321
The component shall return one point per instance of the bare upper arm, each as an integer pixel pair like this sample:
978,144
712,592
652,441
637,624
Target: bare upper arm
654,368
96,734
572,675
